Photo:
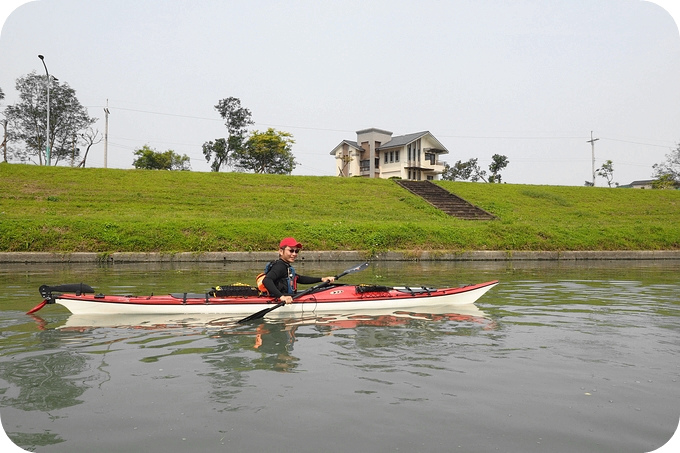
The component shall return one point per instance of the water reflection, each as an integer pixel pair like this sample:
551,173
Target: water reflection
45,382
539,341
272,340
78,353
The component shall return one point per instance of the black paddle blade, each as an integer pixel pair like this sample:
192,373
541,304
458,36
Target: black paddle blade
259,314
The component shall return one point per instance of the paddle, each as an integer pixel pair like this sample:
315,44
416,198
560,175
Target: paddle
261,313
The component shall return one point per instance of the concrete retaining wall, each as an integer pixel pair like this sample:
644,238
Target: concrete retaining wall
442,255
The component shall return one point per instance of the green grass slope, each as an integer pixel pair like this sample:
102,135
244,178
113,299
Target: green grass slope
62,209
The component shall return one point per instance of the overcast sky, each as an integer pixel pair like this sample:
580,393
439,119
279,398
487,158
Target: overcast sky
527,79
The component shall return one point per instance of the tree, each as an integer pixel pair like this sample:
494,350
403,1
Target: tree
607,172
220,149
670,167
665,181
498,163
4,135
150,159
89,138
464,171
27,119
237,119
266,152
460,170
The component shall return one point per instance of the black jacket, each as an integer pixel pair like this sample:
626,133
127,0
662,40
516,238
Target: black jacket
277,279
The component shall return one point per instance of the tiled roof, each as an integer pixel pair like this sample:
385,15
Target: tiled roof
402,140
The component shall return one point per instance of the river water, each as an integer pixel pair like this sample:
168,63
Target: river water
560,357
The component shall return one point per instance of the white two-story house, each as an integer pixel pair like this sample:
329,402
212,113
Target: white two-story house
377,154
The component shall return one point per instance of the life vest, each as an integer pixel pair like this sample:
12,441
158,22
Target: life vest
289,285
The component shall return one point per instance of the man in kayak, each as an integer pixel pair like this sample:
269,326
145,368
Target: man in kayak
280,279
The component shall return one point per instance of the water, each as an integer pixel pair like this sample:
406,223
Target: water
560,357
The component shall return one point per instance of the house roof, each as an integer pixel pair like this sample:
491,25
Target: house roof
642,182
403,140
346,142
395,142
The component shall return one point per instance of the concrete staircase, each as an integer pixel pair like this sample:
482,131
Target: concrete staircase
444,200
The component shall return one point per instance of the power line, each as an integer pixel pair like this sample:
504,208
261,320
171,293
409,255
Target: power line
635,143
510,137
474,137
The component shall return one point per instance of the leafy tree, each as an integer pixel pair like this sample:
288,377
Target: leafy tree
220,149
237,119
459,170
27,118
665,181
477,172
498,163
464,171
150,159
607,172
670,167
266,152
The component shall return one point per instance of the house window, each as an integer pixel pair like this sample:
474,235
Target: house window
396,156
385,157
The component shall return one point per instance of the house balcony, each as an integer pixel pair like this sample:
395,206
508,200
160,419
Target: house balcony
425,165
437,168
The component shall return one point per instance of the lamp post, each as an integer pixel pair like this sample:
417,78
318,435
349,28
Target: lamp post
47,130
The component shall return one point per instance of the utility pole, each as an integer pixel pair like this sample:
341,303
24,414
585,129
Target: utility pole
106,133
592,145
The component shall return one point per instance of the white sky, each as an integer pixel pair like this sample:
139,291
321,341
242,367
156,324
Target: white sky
527,79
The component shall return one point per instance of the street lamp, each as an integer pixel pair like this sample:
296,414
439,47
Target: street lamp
47,130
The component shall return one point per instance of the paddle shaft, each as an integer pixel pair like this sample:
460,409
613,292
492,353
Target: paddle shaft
262,313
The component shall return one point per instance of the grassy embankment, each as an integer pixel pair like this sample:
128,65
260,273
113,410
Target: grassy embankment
105,210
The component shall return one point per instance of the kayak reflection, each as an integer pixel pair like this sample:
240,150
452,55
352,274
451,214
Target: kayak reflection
335,321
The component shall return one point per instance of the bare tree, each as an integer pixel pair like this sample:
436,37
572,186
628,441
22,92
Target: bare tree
89,138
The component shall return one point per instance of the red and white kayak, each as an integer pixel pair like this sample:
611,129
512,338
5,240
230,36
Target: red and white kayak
243,300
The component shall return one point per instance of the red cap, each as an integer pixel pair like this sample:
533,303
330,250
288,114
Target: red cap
290,242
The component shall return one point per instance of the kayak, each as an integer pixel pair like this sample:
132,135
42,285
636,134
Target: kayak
243,299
